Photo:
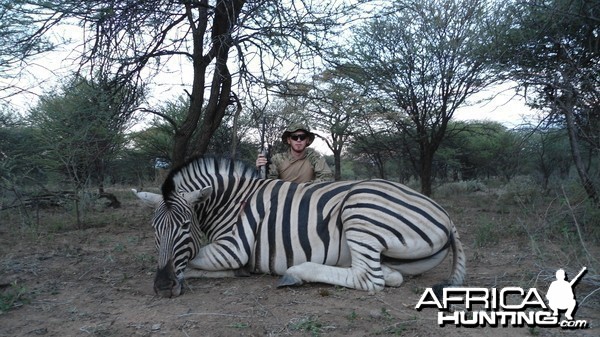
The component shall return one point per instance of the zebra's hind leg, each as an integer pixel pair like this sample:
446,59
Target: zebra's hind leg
370,277
366,271
392,277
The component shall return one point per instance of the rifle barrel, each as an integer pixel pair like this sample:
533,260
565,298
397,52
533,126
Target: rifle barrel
578,276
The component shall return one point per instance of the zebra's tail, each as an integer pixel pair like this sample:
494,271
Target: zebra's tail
459,264
459,260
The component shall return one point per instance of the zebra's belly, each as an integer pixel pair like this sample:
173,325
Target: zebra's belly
274,260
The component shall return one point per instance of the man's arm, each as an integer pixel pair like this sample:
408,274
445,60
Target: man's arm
322,171
274,167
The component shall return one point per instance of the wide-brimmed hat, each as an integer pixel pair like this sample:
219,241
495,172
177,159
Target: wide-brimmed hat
297,127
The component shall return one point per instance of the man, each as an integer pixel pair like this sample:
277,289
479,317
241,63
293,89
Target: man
299,164
560,294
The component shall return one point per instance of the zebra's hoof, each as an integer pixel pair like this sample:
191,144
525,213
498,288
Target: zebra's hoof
289,281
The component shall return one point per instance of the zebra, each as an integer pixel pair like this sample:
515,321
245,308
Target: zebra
363,234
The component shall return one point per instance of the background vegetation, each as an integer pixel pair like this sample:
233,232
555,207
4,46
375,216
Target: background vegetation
381,89
380,81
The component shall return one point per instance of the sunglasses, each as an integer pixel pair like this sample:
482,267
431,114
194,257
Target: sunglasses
298,137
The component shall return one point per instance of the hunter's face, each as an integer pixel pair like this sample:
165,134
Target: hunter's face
298,141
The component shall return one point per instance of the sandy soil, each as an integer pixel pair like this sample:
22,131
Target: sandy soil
98,282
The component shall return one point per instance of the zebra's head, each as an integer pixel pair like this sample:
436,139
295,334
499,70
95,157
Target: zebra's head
173,222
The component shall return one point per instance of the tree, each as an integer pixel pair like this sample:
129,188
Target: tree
83,126
554,54
224,42
484,149
22,37
156,141
372,149
20,165
336,104
549,151
422,60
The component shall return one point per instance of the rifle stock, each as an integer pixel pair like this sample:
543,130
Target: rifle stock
265,152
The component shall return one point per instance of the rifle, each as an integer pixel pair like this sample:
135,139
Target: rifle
576,278
265,151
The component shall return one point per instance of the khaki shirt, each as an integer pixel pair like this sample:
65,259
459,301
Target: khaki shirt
311,168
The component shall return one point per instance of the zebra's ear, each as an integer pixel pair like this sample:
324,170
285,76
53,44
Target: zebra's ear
198,196
150,199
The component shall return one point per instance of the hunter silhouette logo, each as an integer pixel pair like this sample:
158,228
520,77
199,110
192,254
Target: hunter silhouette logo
508,306
560,294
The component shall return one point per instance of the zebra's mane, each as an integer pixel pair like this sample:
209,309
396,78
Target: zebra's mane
206,165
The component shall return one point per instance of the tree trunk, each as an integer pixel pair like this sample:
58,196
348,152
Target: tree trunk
425,176
184,132
225,18
587,183
426,168
337,173
234,131
217,105
380,166
226,15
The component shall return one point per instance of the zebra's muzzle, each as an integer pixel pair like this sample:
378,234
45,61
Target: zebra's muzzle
166,282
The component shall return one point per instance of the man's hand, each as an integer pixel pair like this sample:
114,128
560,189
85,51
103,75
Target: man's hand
261,160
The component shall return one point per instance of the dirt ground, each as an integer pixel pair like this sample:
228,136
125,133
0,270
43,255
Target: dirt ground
97,281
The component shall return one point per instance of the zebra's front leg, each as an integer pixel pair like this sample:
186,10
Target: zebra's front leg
220,256
210,263
198,273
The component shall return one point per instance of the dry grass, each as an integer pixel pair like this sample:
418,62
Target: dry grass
98,280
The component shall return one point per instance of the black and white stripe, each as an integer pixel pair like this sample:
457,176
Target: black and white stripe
358,234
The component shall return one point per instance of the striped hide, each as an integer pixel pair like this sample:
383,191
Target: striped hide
358,234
